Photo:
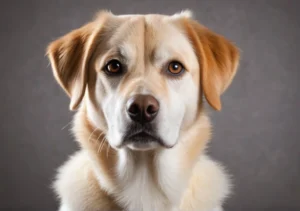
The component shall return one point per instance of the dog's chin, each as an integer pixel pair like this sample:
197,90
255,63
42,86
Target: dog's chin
141,146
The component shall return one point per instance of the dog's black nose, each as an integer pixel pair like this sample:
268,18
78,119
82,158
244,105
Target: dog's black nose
142,108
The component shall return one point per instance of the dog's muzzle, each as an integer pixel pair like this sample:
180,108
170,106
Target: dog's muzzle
141,131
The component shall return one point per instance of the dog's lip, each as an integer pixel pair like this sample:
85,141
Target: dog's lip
146,134
142,134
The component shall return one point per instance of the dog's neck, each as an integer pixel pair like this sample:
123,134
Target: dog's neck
164,172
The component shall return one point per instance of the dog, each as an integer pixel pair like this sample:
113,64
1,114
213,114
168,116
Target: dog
139,84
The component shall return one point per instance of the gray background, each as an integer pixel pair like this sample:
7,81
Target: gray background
256,135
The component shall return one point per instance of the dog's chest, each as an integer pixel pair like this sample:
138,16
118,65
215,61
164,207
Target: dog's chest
138,188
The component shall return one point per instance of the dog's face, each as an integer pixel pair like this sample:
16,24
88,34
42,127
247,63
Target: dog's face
147,82
142,77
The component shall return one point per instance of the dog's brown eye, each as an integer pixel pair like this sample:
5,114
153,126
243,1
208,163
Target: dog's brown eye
113,67
175,68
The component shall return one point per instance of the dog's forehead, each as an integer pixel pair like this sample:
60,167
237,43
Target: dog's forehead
143,26
147,32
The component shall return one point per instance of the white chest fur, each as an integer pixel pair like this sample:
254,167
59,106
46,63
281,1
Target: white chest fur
141,187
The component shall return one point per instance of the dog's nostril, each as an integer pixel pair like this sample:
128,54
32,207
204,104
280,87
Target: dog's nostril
151,109
133,109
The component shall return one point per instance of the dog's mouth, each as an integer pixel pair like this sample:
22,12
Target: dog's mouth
142,138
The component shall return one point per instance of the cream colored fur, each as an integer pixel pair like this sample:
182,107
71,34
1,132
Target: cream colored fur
103,176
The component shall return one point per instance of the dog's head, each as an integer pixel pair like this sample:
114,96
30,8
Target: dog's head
142,77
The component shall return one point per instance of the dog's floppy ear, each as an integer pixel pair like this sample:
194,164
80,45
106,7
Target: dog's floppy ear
69,57
218,60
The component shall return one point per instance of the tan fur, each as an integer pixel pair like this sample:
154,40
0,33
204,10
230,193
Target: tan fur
218,60
69,57
89,180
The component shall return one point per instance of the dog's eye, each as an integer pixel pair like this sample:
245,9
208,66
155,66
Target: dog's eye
175,68
113,67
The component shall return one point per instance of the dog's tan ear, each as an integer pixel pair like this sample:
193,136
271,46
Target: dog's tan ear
218,60
69,57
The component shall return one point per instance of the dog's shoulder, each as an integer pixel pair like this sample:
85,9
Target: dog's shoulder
77,186
209,186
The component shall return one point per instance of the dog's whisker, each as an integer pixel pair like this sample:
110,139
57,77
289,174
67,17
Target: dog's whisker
92,134
102,144
98,140
99,147
107,150
66,125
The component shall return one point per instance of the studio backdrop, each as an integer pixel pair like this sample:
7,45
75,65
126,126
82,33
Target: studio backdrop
256,135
